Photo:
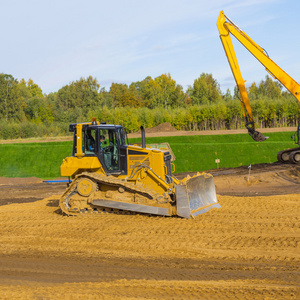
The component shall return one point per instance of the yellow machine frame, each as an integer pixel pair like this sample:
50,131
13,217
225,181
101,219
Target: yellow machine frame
139,178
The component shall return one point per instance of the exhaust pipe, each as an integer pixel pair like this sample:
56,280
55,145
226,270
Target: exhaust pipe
143,137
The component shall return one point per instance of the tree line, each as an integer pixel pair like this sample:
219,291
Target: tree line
25,111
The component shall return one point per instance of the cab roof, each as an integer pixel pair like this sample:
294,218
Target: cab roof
86,126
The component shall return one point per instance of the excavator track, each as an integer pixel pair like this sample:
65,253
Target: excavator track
92,192
289,156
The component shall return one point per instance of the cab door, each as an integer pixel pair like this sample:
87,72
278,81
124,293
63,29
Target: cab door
112,149
123,142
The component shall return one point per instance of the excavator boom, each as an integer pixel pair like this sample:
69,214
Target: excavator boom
226,28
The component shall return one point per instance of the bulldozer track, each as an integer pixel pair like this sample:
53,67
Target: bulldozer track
108,180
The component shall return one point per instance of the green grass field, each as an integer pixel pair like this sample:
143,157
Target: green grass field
193,153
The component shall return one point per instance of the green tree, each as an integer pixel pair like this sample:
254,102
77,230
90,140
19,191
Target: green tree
136,88
139,90
270,88
227,96
30,89
253,92
11,104
234,116
39,110
152,93
205,90
128,99
171,93
117,90
105,98
83,93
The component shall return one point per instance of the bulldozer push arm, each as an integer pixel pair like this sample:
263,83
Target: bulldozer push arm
227,27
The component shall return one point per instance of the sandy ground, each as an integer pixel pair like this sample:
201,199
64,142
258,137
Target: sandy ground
248,249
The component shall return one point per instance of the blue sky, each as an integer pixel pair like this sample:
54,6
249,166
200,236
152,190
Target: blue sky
57,42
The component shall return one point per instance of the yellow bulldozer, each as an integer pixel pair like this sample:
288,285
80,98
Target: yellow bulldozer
107,174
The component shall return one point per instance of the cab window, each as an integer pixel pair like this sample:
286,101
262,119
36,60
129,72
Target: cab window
88,141
109,147
122,137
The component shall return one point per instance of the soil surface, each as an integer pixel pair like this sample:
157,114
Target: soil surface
247,249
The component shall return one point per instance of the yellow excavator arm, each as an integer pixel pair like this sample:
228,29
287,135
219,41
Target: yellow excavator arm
227,27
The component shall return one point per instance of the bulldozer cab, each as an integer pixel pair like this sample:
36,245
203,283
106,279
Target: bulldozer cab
107,142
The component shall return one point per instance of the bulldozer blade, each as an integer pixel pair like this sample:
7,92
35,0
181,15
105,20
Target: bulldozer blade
196,195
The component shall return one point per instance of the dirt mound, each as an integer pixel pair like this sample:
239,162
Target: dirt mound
165,127
264,179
